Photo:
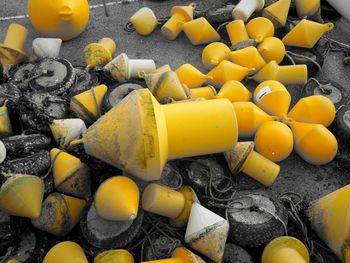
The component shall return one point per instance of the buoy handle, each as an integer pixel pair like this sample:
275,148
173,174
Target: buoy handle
76,142
329,26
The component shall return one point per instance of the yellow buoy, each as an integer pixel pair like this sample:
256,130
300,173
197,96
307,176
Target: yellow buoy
274,140
100,53
144,21
180,255
272,48
260,28
208,92
234,91
114,256
214,53
227,70
67,252
5,122
278,12
237,32
117,199
65,19
310,9
306,34
191,76
248,57
200,31
11,50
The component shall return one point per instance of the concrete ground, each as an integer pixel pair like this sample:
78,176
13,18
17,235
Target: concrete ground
296,175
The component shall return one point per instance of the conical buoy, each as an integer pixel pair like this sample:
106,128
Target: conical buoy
248,57
191,76
200,31
179,14
249,118
5,122
144,21
277,13
153,77
287,75
214,53
243,158
67,130
332,229
272,97
100,53
70,175
11,50
180,255
246,8
114,256
237,32
88,104
314,142
272,48
122,68
208,92
306,34
46,48
260,28
67,251
59,214
316,109
226,71
155,129
310,9
207,232
117,199
274,140
285,250
234,91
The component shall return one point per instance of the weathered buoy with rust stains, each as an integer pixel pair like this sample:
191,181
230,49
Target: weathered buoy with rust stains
100,53
65,131
67,251
46,48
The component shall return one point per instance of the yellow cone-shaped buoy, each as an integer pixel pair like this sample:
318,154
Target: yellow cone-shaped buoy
5,122
249,118
179,15
114,256
310,9
287,75
314,142
22,195
100,53
117,199
208,92
272,97
66,130
274,140
277,12
226,71
200,31
287,250
316,109
306,34
334,230
272,48
191,76
144,21
11,50
88,104
68,252
180,255
248,57
237,31
214,53
234,91
260,28
153,77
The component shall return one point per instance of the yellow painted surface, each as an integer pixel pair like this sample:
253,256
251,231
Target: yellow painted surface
234,91
207,92
200,31
167,260
272,48
278,12
75,207
214,53
185,255
5,122
114,256
191,76
237,31
260,28
248,57
226,71
307,8
144,21
99,54
67,252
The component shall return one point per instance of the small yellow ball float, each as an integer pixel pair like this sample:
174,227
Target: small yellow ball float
175,205
310,9
235,91
285,250
306,34
316,109
314,142
272,97
65,19
144,21
180,255
100,53
260,28
274,140
200,31
272,48
191,76
117,199
88,104
70,175
277,13
114,256
22,195
333,230
11,50
287,75
243,158
208,93
249,118
5,122
59,214
214,53
46,48
227,70
248,57
246,8
179,15
67,252
237,32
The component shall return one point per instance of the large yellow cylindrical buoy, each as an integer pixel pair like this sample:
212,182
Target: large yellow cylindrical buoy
64,19
248,57
67,251
272,48
114,256
144,21
191,76
100,53
227,70
278,12
214,53
200,31
260,28
235,91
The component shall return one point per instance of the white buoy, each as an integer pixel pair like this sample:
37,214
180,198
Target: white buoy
67,130
2,152
46,48
246,8
207,232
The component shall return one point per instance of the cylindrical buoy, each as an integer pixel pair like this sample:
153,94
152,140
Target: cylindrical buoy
100,53
260,28
67,251
200,31
237,32
246,8
214,53
144,21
